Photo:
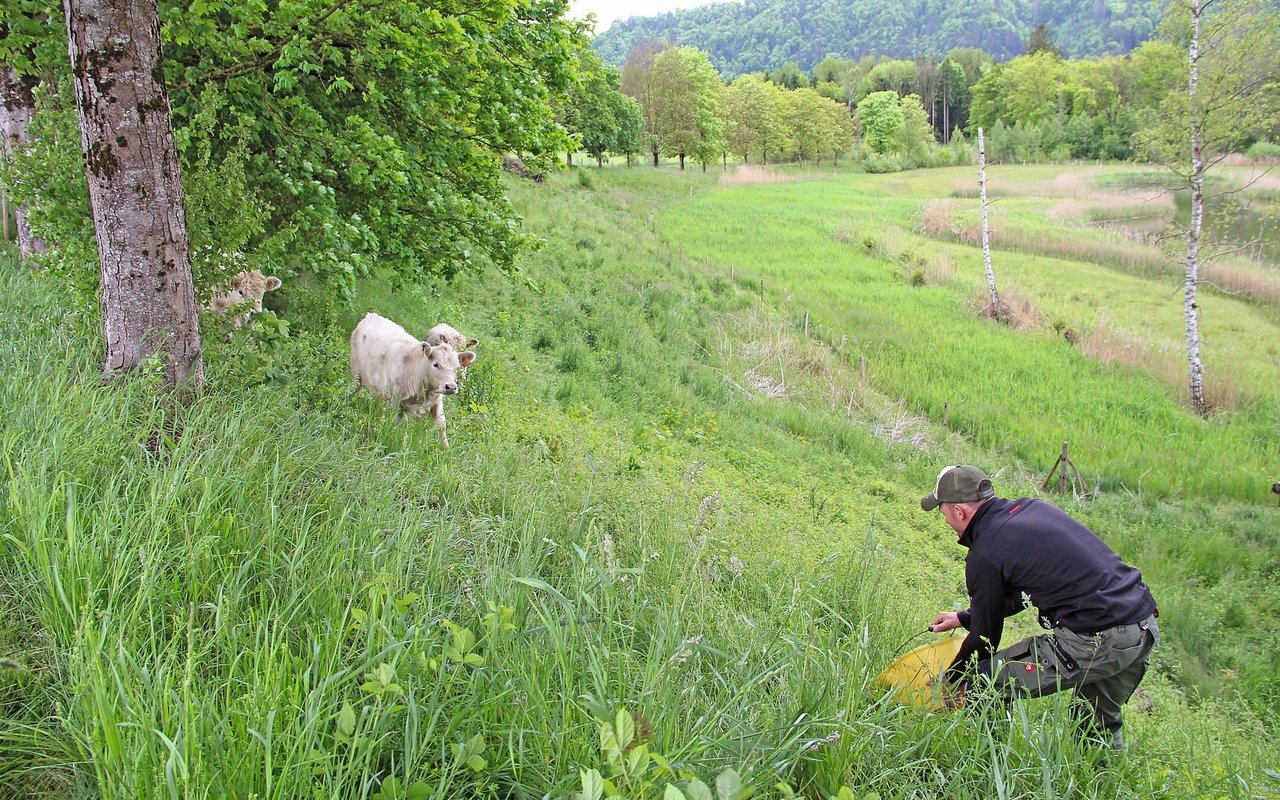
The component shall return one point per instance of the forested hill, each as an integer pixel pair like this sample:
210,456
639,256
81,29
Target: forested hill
764,34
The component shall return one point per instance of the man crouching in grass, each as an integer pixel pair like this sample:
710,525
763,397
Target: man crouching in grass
1100,616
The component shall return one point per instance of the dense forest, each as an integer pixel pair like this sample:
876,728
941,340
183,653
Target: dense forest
764,34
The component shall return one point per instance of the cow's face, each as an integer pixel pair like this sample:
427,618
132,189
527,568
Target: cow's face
443,363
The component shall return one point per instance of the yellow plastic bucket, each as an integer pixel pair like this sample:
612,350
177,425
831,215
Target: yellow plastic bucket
910,675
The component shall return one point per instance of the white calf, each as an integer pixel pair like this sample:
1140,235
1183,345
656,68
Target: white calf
415,375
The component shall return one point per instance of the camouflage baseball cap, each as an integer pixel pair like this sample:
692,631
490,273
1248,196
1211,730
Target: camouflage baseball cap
959,484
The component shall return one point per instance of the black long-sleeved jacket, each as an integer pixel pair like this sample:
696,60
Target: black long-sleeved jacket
1031,547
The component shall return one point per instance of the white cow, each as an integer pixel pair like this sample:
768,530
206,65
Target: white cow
244,293
444,334
413,374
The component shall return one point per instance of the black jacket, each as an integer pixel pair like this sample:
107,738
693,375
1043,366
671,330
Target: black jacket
1030,547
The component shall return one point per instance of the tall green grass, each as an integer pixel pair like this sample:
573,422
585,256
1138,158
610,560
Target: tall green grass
1000,387
282,591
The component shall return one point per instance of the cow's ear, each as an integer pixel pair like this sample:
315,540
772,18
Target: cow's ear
426,348
465,358
273,283
472,342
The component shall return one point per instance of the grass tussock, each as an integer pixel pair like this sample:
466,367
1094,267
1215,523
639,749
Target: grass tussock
1017,310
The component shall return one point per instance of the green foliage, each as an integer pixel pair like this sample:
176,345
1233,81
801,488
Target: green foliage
754,123
687,105
1263,151
322,139
881,121
1237,99
750,37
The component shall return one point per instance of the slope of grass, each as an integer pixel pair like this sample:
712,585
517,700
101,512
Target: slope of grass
815,243
662,500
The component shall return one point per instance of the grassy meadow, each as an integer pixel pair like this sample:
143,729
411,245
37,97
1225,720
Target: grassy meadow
675,540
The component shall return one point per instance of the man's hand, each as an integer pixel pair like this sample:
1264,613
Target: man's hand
945,621
953,696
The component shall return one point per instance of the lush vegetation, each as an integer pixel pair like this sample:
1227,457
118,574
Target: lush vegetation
760,35
317,137
675,540
1037,106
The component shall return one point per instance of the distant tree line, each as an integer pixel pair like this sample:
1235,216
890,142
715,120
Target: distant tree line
760,35
900,113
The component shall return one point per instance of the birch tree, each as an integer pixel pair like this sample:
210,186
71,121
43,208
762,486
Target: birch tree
135,192
986,236
1232,61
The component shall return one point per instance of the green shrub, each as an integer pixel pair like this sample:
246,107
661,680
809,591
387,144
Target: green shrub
877,163
1264,151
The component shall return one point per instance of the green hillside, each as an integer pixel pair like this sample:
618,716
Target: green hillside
765,34
676,538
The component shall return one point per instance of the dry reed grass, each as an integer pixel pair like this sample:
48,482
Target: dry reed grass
1166,362
745,174
1110,244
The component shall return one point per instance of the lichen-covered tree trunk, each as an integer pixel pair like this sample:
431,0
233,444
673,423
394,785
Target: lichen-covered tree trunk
17,107
148,301
1195,370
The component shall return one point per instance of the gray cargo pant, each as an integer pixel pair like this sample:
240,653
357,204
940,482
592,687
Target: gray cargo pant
1103,668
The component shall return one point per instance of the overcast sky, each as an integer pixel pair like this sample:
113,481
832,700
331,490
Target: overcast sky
609,10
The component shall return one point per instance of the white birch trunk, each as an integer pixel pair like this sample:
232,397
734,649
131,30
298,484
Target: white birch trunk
17,108
1195,369
986,234
126,130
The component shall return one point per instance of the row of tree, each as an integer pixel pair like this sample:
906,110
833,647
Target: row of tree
1038,105
670,102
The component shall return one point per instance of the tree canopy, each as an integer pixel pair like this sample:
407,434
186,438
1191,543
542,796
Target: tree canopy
350,135
762,35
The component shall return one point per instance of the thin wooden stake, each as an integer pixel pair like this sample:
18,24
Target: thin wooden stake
806,324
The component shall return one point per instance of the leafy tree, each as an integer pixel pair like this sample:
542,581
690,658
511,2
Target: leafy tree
373,131
838,133
358,134
880,117
629,118
898,76
1026,89
915,138
833,69
1040,41
131,163
804,115
638,84
594,106
29,44
789,76
686,104
753,121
